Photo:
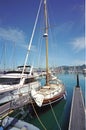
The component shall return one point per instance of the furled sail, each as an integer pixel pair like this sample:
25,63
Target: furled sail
38,98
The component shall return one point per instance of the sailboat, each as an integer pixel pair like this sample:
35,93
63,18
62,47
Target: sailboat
54,89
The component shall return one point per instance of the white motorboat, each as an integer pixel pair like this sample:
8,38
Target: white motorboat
12,84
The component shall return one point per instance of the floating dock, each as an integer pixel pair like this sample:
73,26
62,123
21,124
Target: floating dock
77,115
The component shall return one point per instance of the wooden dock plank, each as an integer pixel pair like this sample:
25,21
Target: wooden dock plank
77,117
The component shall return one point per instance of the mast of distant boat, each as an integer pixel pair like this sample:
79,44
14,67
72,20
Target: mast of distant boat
46,40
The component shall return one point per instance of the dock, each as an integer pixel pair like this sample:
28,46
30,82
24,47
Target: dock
77,115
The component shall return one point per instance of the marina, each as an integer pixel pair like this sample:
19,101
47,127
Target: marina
62,109
51,92
42,68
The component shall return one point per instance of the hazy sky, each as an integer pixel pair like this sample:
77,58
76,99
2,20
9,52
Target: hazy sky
67,32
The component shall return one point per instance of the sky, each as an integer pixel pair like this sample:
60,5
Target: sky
66,33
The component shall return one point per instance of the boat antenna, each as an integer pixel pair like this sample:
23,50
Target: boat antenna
30,43
46,40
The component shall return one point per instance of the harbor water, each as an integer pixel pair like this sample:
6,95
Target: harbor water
57,117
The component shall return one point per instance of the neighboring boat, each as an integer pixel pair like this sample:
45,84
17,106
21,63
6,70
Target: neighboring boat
10,123
84,72
11,83
54,89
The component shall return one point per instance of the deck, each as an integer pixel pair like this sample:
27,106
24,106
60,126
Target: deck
77,116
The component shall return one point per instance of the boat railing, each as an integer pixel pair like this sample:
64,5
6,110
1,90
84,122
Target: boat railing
19,102
5,109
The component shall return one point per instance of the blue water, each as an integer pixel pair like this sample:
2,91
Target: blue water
61,109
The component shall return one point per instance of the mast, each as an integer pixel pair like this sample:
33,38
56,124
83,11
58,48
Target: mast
30,43
46,40
4,57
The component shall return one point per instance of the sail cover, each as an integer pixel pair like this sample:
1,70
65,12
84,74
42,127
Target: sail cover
38,98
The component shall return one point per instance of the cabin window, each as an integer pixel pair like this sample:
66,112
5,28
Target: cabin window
29,80
9,81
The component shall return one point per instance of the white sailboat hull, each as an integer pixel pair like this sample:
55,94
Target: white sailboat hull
48,94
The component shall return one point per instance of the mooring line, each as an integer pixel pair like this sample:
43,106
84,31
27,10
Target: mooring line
38,117
55,116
